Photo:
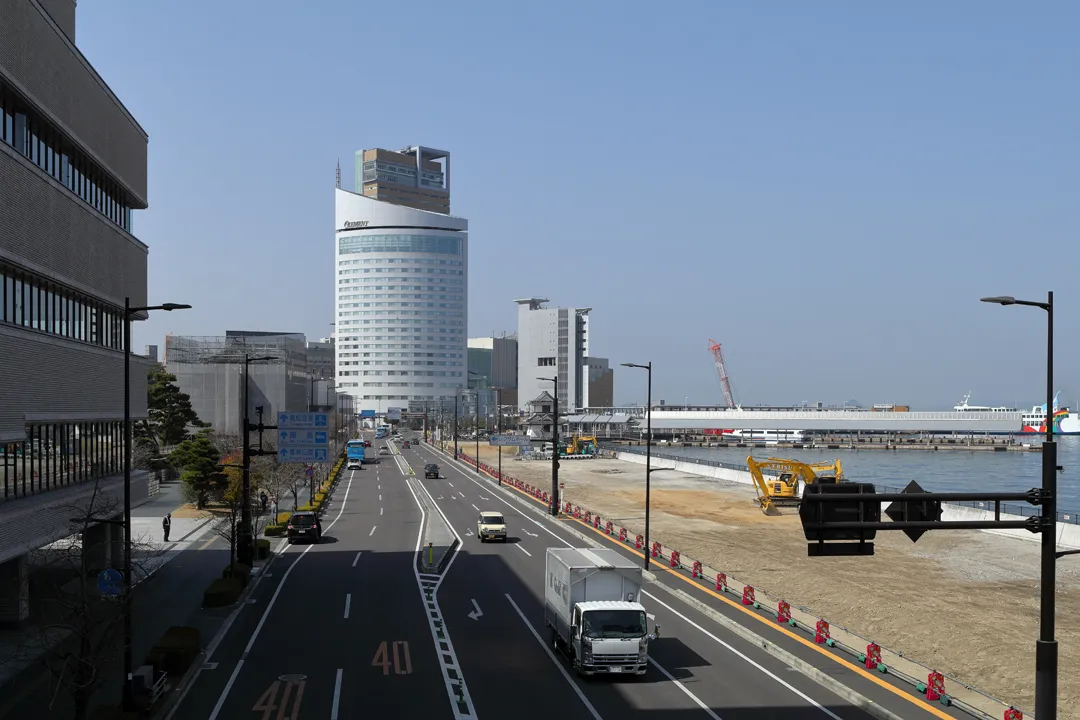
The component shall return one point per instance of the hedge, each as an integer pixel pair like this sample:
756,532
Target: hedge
320,497
274,530
222,592
176,649
262,549
238,571
283,518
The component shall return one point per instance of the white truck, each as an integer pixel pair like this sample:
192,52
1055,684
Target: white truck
591,605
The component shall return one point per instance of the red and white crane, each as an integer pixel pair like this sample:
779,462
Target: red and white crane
725,383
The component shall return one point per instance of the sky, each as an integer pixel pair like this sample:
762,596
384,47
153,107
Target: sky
827,188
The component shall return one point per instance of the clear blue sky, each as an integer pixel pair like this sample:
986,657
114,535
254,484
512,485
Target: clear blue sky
826,188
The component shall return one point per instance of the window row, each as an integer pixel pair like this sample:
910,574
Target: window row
31,301
407,261
432,244
55,455
39,141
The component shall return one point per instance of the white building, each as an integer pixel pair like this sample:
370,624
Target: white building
555,342
400,297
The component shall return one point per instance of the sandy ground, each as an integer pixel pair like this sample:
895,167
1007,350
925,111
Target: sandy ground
965,602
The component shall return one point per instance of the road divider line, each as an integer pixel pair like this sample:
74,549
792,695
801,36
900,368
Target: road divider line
744,658
269,608
380,511
337,697
348,604
474,506
457,691
692,696
562,670
518,546
372,530
356,559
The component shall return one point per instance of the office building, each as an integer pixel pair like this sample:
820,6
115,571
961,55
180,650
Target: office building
554,342
411,177
401,290
493,363
73,169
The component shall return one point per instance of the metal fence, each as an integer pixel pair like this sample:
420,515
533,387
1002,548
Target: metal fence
1006,508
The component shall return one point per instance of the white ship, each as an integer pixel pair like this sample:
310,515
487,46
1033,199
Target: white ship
1032,422
766,436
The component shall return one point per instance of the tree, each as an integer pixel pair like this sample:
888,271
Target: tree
232,497
281,478
80,629
200,469
169,413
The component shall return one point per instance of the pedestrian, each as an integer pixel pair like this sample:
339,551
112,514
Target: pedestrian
166,525
263,497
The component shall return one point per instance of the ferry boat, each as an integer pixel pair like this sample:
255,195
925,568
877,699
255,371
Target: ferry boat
1065,422
769,437
1033,421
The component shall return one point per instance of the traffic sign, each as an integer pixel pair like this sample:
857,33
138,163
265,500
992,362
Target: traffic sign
299,421
510,440
288,438
914,511
300,454
110,581
393,413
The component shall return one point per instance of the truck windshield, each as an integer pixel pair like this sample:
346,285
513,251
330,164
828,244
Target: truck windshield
613,624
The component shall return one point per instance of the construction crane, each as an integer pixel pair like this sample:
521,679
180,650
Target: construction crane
725,384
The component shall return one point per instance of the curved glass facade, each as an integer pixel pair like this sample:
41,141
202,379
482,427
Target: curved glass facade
401,303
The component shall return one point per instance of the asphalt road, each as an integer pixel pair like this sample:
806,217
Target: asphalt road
699,669
337,629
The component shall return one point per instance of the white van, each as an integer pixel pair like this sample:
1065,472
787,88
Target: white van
548,447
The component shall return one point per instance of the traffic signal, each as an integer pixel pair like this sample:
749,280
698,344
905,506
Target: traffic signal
831,526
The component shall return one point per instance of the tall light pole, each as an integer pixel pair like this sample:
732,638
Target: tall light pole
245,542
456,396
555,446
648,452
477,425
1046,649
129,666
498,420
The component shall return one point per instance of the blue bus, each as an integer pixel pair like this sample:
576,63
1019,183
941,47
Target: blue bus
381,432
354,452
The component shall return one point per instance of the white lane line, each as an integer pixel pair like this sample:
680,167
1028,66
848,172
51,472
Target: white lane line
380,511
269,607
348,604
447,482
518,546
474,504
356,559
337,697
692,696
456,689
372,530
746,659
562,670
380,498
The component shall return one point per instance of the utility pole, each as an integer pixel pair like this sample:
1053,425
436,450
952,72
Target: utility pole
245,538
555,448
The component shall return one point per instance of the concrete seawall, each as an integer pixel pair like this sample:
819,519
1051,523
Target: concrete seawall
1068,535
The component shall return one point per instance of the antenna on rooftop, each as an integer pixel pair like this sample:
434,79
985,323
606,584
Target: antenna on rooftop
339,174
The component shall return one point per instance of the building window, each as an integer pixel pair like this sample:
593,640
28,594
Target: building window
33,137
36,303
543,362
400,244
56,455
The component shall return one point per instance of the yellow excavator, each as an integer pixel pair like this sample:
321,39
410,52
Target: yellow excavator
580,445
786,490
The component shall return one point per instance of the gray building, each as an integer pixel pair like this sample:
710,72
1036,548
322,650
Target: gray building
73,169
493,363
211,371
554,342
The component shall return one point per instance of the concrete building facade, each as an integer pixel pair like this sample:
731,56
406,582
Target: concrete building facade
73,169
554,342
401,295
493,363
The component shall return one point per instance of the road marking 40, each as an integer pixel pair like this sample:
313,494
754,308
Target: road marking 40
291,688
394,653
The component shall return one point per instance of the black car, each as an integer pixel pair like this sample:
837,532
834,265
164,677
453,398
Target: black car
304,525
431,471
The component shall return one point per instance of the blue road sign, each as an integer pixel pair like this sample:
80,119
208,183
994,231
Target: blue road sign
367,413
110,581
301,421
302,454
510,441
310,471
289,438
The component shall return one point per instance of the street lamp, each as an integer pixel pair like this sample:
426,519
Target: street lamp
245,550
1046,650
648,451
555,446
477,427
128,660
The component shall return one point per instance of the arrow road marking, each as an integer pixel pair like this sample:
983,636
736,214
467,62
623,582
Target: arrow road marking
529,533
468,533
484,498
477,613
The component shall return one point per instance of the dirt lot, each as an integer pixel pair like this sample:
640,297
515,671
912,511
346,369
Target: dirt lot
965,603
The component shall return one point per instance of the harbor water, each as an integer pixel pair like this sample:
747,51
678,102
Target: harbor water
941,471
